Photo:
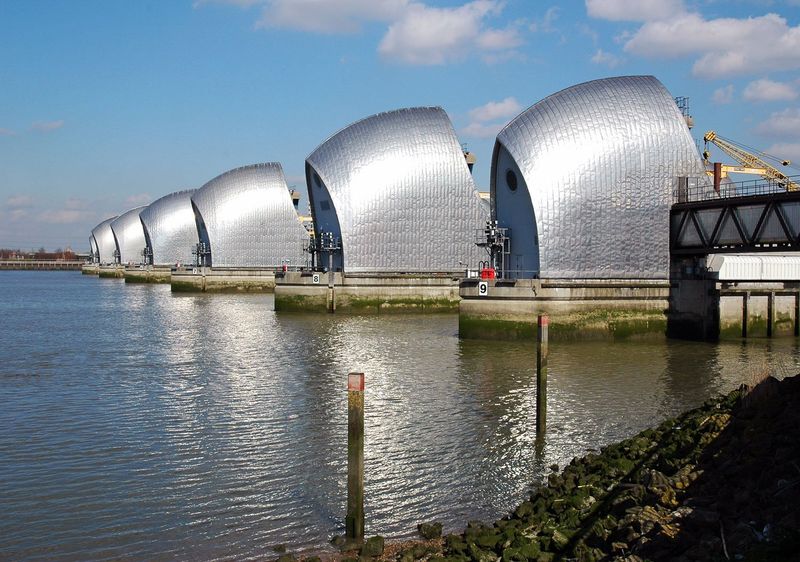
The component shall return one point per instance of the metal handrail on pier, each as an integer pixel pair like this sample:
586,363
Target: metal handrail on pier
696,189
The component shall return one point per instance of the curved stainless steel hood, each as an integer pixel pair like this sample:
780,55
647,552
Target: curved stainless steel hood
247,218
396,190
584,180
129,233
170,229
105,241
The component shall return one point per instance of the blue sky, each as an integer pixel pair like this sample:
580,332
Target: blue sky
109,104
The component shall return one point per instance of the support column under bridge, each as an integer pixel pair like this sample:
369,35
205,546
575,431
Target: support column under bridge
733,272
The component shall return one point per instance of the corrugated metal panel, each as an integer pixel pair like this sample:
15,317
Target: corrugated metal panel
105,241
751,267
249,218
397,188
599,162
170,229
130,236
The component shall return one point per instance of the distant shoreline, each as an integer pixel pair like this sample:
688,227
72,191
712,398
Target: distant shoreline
41,265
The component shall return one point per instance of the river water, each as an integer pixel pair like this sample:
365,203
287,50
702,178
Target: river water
143,425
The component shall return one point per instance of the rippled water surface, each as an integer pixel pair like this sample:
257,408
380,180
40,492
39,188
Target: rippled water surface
143,425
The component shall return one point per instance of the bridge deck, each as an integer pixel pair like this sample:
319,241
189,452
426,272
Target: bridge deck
745,217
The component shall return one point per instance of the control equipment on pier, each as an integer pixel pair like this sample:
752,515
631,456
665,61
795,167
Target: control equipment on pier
497,242
202,254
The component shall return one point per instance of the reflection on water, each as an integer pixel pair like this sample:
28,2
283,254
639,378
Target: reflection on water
146,425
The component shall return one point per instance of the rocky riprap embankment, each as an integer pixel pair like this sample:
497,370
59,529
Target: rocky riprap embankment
721,482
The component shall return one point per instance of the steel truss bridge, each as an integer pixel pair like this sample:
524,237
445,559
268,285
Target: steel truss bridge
753,216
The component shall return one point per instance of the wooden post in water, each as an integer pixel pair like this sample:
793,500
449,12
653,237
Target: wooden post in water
541,373
354,521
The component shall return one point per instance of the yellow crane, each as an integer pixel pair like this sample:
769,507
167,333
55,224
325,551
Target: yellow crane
750,163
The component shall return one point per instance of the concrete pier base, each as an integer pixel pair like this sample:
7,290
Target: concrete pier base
612,309
208,279
90,269
148,274
757,297
111,271
704,309
368,294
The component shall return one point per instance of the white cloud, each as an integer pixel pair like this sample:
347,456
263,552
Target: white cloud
495,110
324,16
19,202
47,126
607,59
786,150
482,130
417,34
76,203
64,216
545,25
726,46
781,124
138,199
633,10
431,36
723,95
499,39
6,132
483,119
767,90
18,214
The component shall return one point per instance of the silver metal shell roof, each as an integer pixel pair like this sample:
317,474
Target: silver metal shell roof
169,228
92,247
130,236
398,189
105,241
249,219
598,162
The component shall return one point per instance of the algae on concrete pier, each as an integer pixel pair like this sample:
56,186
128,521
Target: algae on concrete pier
612,309
147,274
222,280
297,291
111,271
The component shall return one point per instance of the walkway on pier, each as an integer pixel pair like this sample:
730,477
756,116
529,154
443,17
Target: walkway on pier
745,217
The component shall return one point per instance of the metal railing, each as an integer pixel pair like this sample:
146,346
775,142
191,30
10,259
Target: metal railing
694,189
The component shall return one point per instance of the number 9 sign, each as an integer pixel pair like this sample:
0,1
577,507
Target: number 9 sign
483,288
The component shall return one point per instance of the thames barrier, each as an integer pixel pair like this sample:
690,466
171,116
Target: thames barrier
600,213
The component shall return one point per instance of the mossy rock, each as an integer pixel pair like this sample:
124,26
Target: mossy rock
487,540
373,546
477,554
454,543
430,530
